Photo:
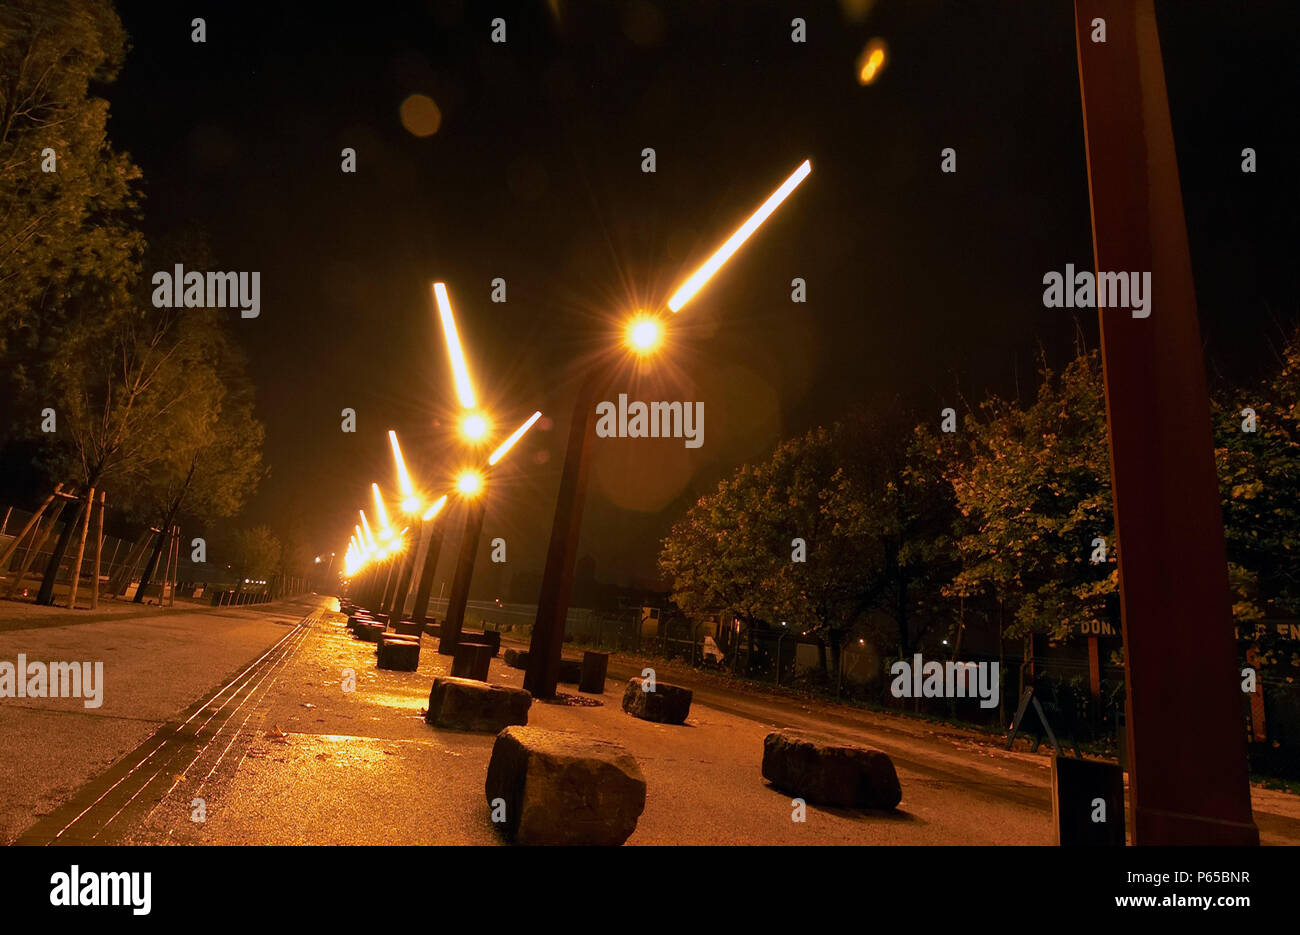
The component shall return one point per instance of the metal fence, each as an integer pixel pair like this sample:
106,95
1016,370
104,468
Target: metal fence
121,561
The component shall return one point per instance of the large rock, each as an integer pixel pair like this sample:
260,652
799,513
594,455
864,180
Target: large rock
516,658
467,704
564,788
570,671
829,773
668,704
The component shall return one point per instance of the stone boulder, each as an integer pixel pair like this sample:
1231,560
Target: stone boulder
516,658
564,788
570,671
467,704
830,773
667,704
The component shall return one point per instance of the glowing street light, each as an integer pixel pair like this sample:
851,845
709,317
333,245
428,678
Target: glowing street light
385,530
702,275
459,369
410,500
514,437
434,508
642,336
474,427
469,483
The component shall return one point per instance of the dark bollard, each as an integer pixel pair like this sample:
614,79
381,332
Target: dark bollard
471,661
489,638
570,671
399,653
594,666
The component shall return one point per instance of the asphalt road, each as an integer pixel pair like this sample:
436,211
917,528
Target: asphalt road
156,664
239,728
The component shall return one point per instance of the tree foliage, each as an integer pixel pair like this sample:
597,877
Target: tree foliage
1259,477
256,553
68,247
1034,485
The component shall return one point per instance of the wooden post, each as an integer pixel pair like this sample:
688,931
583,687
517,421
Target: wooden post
99,550
13,545
74,578
1189,781
176,563
1094,671
122,579
39,538
167,565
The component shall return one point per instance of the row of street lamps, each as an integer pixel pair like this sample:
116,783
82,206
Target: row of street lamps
379,566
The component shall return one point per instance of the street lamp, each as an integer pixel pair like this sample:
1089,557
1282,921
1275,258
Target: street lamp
470,485
412,506
642,336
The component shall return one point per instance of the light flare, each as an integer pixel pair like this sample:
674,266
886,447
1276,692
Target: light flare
410,502
434,508
385,528
459,369
474,427
644,334
509,443
872,61
702,275
469,483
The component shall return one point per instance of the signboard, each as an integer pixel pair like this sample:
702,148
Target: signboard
1087,802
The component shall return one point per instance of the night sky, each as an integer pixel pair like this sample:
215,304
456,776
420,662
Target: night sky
922,287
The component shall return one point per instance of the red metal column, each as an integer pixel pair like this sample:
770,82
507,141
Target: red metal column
449,632
1189,782
547,643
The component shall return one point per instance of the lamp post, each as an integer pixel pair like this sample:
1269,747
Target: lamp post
643,336
411,506
471,486
1189,774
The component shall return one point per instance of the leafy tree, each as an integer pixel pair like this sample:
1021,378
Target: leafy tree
1035,485
128,396
720,554
734,549
67,247
1259,477
211,475
256,553
891,490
